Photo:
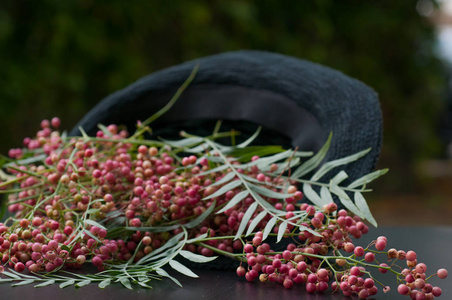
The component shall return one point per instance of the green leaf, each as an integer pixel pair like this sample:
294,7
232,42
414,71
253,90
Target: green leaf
226,178
236,199
341,176
195,222
256,221
367,178
94,223
246,217
91,235
9,274
196,257
250,139
266,161
312,195
186,142
269,227
198,149
83,132
152,229
345,200
163,273
262,202
92,210
182,269
83,283
105,130
228,187
67,283
170,243
104,283
144,285
142,277
201,237
364,208
314,161
328,166
25,282
214,170
326,195
246,154
27,161
125,282
268,192
281,231
45,283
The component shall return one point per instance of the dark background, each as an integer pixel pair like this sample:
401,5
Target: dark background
59,58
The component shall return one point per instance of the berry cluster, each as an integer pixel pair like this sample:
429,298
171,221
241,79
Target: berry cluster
116,198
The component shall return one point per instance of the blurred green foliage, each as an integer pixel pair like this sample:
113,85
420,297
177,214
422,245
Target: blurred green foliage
61,57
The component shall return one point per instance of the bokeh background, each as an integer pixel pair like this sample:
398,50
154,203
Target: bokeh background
59,58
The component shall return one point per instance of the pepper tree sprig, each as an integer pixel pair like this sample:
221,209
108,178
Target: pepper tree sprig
130,206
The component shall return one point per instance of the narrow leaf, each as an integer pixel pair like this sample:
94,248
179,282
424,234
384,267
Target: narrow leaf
226,178
236,199
230,186
186,142
326,195
9,274
214,170
163,273
364,208
345,200
281,230
246,154
328,166
25,282
312,195
94,223
170,243
91,235
104,283
269,227
250,139
367,178
125,282
262,202
27,161
198,149
341,176
182,269
201,237
67,283
246,217
105,130
195,222
196,257
256,221
268,192
314,161
46,283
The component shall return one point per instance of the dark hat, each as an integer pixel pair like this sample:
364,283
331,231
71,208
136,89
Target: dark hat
298,103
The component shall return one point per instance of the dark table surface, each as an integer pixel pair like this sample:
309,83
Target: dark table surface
433,246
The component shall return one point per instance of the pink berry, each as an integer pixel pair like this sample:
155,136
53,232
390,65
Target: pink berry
411,255
241,271
403,289
442,273
359,251
436,291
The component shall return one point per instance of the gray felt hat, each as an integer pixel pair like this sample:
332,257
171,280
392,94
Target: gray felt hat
298,103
